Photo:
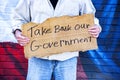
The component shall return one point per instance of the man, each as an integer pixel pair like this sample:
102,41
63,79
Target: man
61,66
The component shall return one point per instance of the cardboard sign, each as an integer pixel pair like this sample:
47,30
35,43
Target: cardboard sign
58,35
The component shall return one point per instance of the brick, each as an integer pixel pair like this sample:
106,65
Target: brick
107,14
107,8
13,72
13,65
108,41
105,2
12,77
12,58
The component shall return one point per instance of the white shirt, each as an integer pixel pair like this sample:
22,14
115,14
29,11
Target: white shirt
39,10
6,8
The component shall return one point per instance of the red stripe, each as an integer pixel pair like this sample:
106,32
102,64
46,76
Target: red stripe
13,65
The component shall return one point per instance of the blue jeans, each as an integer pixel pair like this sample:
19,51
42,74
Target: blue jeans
42,69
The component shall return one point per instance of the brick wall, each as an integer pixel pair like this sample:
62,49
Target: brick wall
104,63
13,65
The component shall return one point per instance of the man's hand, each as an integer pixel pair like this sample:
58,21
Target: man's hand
22,40
95,30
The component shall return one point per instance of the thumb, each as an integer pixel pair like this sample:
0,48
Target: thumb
18,34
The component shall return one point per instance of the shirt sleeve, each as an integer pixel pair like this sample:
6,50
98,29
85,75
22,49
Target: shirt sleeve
87,7
21,14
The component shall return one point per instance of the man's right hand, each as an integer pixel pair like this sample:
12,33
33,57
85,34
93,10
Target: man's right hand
22,40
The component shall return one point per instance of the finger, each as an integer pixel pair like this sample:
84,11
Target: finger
23,44
92,31
23,41
22,38
94,28
94,34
